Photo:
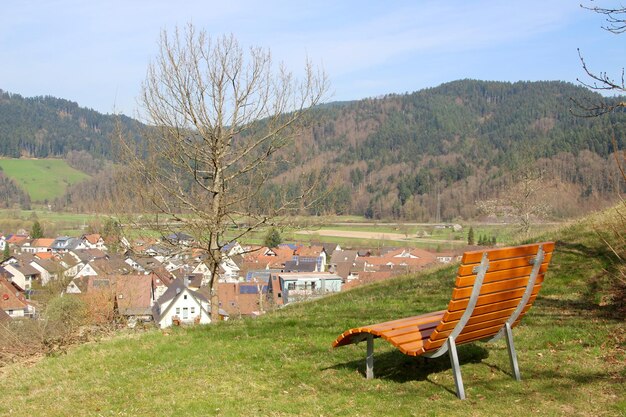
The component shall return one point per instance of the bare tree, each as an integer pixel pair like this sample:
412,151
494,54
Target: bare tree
521,202
615,19
221,118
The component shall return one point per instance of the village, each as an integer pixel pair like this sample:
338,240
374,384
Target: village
163,282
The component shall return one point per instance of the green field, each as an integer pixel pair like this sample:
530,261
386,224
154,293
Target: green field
571,349
54,223
42,179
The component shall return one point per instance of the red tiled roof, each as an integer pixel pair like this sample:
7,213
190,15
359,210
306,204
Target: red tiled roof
262,260
92,238
309,250
44,255
16,239
419,253
10,297
42,243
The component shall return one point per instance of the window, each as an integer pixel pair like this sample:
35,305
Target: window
185,296
193,310
177,311
291,286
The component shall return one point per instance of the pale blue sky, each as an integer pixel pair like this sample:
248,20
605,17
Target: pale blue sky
96,52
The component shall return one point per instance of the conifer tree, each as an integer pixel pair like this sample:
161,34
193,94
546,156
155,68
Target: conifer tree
37,231
471,239
273,238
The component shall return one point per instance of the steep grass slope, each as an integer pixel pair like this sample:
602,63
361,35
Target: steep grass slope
570,348
42,179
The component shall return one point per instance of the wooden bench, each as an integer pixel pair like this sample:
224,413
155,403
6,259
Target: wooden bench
494,289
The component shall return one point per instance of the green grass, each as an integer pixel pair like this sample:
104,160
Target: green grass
570,348
54,223
42,179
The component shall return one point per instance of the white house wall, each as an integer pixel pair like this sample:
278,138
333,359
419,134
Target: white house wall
175,308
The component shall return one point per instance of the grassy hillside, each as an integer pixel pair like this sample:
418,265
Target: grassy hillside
42,179
570,348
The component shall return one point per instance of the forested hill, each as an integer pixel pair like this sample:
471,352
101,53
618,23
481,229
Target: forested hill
440,150
44,127
425,155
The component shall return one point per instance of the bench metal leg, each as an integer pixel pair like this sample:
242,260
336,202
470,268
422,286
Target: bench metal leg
369,358
456,369
512,354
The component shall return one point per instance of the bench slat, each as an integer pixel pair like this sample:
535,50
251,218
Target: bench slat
491,287
492,298
409,321
501,275
466,270
510,252
380,330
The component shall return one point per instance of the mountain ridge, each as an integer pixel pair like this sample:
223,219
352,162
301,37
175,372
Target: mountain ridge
424,155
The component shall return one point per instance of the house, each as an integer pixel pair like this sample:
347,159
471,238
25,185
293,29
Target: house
180,305
229,270
16,240
343,256
161,280
48,269
128,296
65,244
134,297
406,260
329,248
269,258
202,269
158,252
88,255
346,263
13,302
104,267
78,285
286,288
20,274
143,264
301,266
448,257
194,281
36,245
70,264
93,241
232,249
242,298
179,239
315,254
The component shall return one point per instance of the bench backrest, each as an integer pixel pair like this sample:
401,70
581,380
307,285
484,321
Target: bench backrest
492,287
